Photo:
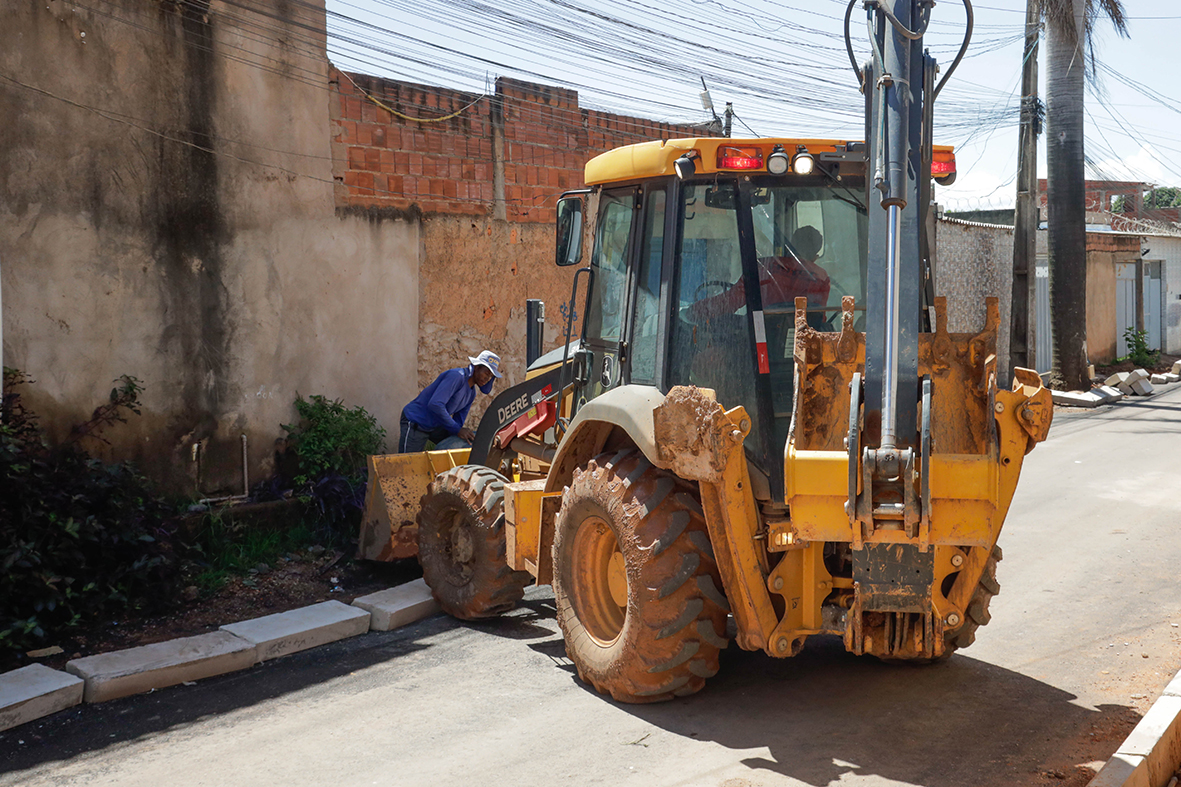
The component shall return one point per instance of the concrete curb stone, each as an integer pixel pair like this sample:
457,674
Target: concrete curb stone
1077,398
31,692
34,691
1109,394
299,629
1142,387
1149,756
398,606
121,673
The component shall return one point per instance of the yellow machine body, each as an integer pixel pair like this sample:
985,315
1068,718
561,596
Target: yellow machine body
772,559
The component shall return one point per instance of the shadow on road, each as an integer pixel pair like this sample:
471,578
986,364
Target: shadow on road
826,713
818,718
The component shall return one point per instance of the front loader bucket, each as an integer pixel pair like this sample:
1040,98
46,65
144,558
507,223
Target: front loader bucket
397,482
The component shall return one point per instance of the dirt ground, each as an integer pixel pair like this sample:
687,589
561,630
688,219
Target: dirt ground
295,580
1163,365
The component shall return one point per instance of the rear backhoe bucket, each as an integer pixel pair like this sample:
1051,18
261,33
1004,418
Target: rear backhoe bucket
397,483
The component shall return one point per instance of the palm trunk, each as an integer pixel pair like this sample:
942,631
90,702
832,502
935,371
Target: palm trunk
1066,199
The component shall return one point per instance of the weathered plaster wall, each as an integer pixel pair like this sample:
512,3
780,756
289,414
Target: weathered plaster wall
1101,333
476,275
973,262
220,272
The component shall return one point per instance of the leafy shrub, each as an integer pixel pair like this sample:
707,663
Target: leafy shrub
330,438
1139,353
330,445
79,539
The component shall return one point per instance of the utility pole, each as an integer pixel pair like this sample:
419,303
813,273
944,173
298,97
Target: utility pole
729,114
1022,339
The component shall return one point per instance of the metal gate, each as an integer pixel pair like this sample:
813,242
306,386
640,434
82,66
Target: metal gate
1125,304
1152,304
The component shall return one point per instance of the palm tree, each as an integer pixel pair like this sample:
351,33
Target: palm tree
1069,27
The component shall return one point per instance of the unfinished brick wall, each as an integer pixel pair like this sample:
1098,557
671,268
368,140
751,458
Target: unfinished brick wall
1101,195
508,155
485,178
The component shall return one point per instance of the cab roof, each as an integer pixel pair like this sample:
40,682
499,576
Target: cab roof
655,159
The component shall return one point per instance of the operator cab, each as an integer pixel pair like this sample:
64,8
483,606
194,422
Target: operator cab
682,231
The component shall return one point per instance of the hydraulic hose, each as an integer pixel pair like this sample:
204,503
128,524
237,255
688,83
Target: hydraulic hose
959,55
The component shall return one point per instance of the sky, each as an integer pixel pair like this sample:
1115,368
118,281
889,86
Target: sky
783,65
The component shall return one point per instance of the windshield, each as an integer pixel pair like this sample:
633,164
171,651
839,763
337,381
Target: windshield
809,241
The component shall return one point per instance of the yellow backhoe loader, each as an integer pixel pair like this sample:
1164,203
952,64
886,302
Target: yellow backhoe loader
764,415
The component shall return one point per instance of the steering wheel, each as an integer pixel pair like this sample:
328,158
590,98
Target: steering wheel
725,286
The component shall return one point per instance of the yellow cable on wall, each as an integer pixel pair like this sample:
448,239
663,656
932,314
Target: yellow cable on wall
395,112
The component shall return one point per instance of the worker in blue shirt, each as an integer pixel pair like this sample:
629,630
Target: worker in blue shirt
437,414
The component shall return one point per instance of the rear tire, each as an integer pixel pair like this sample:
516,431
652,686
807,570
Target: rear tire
461,544
636,583
977,614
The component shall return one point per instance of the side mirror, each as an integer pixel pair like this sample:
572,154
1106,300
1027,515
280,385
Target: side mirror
569,246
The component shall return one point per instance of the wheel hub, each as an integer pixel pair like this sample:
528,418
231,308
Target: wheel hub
460,548
599,592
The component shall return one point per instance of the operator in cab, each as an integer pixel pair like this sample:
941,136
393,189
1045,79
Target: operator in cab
437,414
781,279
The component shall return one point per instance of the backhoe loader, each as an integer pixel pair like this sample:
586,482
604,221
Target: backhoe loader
763,418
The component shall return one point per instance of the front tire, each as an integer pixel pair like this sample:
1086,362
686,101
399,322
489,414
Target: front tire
636,583
461,544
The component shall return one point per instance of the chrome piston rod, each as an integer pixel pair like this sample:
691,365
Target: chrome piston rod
890,359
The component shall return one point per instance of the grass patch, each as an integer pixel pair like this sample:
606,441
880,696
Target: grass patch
225,546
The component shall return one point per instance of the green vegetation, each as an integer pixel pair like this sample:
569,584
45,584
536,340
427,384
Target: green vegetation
224,545
1163,197
83,542
329,446
79,538
1139,353
330,438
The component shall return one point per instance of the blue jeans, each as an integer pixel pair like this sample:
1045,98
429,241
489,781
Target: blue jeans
412,438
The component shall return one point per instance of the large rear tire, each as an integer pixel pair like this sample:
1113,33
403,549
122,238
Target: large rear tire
977,614
636,583
461,544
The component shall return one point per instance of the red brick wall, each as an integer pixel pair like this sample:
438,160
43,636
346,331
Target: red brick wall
383,159
1101,193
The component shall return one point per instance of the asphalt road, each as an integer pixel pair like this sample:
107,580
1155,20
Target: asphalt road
1083,638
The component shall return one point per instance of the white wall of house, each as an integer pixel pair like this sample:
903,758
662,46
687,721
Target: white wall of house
1167,250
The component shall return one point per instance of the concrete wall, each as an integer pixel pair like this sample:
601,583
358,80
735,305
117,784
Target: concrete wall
973,262
167,210
1102,343
1104,250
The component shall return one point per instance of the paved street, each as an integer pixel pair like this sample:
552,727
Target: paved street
1083,638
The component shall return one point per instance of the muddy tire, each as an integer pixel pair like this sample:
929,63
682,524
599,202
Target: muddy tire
461,544
635,581
977,614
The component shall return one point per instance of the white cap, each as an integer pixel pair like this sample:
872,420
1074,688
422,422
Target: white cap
489,359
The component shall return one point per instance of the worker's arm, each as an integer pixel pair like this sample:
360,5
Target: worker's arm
451,383
461,417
